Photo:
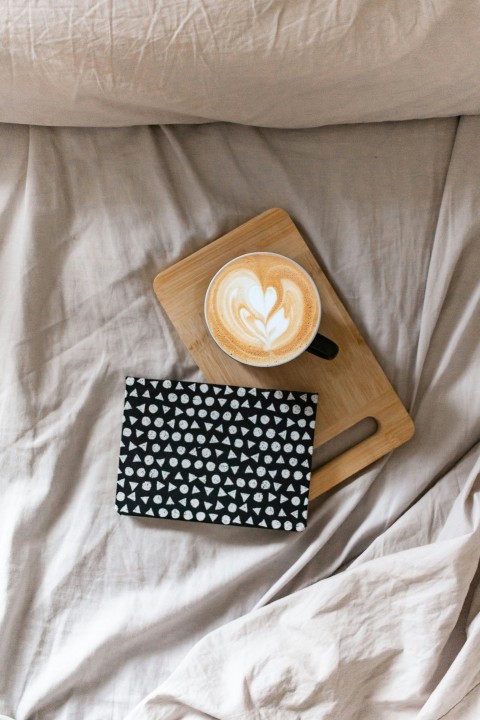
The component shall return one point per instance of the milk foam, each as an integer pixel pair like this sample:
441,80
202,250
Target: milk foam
266,317
262,306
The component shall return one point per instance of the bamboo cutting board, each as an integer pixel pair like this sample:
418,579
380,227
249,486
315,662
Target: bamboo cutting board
350,388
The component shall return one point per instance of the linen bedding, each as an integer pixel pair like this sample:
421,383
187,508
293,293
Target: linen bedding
271,63
373,611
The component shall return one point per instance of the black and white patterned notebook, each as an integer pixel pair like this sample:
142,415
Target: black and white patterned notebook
216,453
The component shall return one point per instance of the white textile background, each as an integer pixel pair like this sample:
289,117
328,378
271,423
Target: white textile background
98,610
266,63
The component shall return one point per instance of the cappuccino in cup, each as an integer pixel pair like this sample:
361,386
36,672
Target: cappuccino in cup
264,309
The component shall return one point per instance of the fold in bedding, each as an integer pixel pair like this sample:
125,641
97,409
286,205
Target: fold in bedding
364,643
267,63
98,610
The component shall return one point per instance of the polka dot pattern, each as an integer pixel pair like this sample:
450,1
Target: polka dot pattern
216,453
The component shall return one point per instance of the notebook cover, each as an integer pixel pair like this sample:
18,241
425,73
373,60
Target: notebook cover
216,453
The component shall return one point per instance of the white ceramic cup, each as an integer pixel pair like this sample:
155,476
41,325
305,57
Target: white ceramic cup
317,344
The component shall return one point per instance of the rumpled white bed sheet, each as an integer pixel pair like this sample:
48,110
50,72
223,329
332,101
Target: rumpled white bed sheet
270,63
373,611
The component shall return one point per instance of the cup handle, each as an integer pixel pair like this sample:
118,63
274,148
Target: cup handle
322,347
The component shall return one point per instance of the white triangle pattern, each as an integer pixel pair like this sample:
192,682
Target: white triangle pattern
265,435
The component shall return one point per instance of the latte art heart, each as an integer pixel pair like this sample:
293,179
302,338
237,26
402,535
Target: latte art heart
258,318
261,308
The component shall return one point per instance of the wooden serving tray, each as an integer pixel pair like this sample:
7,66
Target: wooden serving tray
351,387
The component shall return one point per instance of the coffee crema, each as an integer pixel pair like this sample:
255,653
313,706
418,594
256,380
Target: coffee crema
262,309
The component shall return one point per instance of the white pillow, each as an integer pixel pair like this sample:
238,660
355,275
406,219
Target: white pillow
281,63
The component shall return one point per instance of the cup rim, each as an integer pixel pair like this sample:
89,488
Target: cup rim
285,257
